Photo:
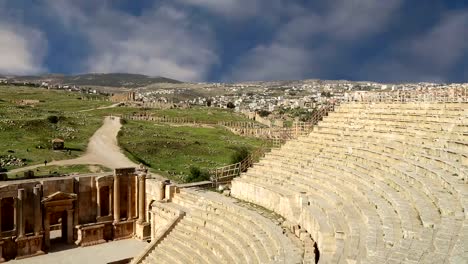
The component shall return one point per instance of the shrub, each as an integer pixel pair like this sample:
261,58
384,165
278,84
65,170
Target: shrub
230,105
53,119
240,154
197,174
264,113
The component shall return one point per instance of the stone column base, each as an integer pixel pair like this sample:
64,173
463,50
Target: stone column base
142,231
29,246
1,251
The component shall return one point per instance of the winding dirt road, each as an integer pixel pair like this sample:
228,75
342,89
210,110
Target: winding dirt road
102,149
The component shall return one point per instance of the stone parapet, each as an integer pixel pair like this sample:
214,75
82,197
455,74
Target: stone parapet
123,229
91,234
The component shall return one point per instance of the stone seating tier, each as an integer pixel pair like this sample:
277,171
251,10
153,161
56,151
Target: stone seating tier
373,183
220,231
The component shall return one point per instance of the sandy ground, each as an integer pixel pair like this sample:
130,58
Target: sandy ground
102,253
102,149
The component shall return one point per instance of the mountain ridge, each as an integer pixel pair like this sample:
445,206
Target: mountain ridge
127,80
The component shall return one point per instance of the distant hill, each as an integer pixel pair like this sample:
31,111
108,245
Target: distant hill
97,79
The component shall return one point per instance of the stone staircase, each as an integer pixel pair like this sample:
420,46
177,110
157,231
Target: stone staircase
374,183
215,229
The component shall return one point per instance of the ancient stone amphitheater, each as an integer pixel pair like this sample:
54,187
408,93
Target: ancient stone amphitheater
373,183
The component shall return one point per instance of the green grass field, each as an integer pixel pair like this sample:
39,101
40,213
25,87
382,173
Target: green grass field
171,151
26,132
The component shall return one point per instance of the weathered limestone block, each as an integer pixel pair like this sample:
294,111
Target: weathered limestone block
90,234
29,246
123,229
170,192
143,231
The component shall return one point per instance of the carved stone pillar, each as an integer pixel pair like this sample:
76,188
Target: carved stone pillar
70,226
116,199
37,210
47,230
129,200
98,202
20,219
142,198
1,251
0,218
111,199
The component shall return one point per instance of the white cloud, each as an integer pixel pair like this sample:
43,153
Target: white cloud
22,49
162,41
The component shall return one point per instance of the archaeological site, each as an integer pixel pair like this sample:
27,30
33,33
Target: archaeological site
381,178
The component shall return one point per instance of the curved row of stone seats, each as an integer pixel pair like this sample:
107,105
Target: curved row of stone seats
217,230
455,160
372,189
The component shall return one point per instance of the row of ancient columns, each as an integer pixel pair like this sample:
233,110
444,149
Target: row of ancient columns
18,214
141,199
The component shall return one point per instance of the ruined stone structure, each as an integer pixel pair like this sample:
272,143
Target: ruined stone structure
123,97
381,182
85,210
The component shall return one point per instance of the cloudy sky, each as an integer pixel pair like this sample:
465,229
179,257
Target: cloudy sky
237,40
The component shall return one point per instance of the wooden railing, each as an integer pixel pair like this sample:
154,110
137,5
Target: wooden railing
226,173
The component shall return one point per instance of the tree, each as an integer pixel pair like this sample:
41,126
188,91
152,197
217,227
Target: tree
264,113
208,102
240,154
230,105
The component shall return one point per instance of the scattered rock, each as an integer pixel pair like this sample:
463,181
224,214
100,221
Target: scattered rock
10,160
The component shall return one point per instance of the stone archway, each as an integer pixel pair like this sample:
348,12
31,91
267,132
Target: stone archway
59,203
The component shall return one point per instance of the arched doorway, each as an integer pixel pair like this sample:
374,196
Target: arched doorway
58,218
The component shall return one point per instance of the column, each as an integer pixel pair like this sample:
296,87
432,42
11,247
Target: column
98,202
70,226
116,199
111,198
129,199
1,252
141,198
0,218
37,210
135,196
47,230
20,218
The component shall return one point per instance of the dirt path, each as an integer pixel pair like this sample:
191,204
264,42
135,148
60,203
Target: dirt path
102,149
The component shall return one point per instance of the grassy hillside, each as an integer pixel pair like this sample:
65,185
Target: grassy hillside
26,131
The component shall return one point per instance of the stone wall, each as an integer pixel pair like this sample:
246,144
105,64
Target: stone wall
72,204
